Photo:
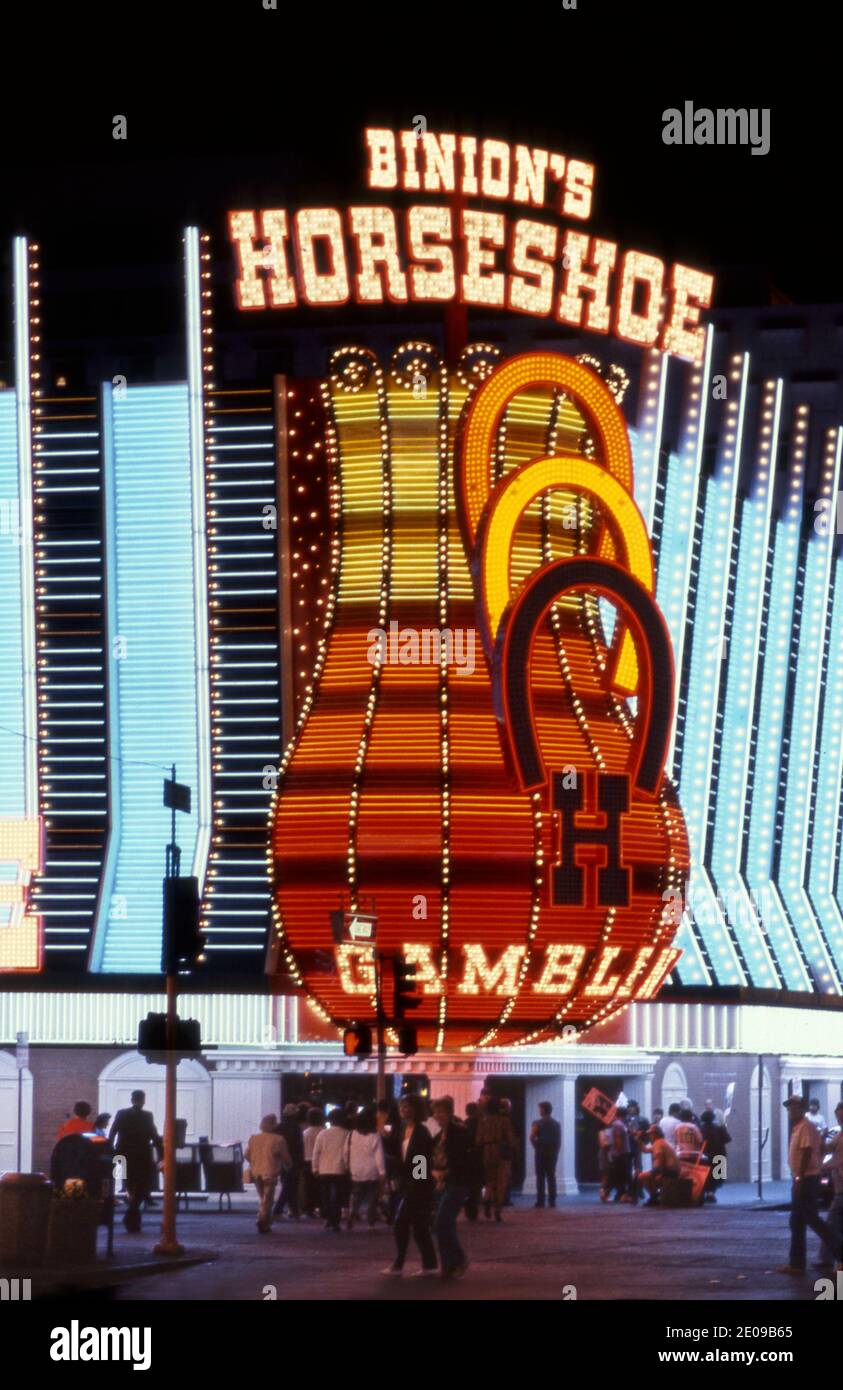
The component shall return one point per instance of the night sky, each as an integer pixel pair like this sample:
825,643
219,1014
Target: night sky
235,106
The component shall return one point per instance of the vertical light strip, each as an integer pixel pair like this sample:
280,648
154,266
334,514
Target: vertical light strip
698,770
152,663
798,825
679,605
681,489
23,399
826,808
652,395
769,723
729,797
198,372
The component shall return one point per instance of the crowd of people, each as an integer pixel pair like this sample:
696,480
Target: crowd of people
640,1157
413,1166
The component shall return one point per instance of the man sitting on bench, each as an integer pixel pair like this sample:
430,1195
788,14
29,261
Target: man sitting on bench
665,1165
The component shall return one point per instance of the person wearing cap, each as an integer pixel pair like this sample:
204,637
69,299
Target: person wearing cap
834,1146
665,1164
805,1159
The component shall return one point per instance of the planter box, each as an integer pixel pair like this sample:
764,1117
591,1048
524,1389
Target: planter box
72,1231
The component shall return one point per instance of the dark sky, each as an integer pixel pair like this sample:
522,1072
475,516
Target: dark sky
232,105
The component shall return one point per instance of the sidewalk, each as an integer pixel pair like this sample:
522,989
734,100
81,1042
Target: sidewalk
723,1252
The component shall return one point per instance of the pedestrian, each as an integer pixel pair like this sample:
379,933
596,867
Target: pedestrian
388,1123
515,1176
669,1122
805,1160
315,1124
290,1131
687,1138
475,1162
101,1125
715,1138
416,1188
637,1126
665,1164
496,1137
658,1116
834,1146
546,1139
330,1166
268,1157
619,1178
133,1134
451,1174
604,1161
77,1123
366,1166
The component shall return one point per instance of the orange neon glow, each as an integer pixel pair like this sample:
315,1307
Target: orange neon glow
396,785
21,845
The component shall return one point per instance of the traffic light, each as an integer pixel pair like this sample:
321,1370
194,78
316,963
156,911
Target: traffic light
404,981
408,1040
152,1038
182,942
357,1042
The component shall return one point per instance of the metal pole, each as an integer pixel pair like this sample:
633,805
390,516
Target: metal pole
20,1113
380,1028
168,1244
760,1122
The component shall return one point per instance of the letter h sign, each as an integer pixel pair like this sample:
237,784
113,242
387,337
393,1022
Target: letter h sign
591,850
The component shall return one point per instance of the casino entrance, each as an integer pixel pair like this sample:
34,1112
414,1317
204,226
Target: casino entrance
325,1090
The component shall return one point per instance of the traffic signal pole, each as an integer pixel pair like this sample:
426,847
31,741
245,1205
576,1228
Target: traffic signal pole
169,1244
381,1027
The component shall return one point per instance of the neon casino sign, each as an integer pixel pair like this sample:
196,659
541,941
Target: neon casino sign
449,252
22,852
513,823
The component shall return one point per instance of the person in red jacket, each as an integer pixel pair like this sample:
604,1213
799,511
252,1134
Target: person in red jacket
78,1123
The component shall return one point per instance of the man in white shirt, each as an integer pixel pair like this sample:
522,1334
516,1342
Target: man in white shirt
805,1159
816,1116
669,1123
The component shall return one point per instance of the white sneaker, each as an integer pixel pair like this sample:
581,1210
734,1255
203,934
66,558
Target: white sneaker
393,1272
424,1273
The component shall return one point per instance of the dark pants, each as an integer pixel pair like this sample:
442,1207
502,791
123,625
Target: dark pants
546,1174
289,1195
364,1192
414,1214
311,1188
619,1176
474,1195
804,1201
332,1186
449,1202
137,1189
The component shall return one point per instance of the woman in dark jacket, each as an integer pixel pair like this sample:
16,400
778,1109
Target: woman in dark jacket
716,1138
415,1182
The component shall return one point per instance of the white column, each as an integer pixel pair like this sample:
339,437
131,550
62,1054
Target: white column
241,1099
462,1088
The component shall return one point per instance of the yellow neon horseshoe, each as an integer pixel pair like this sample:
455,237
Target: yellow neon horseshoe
514,495
588,390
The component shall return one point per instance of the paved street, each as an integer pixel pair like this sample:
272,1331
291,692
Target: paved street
725,1252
